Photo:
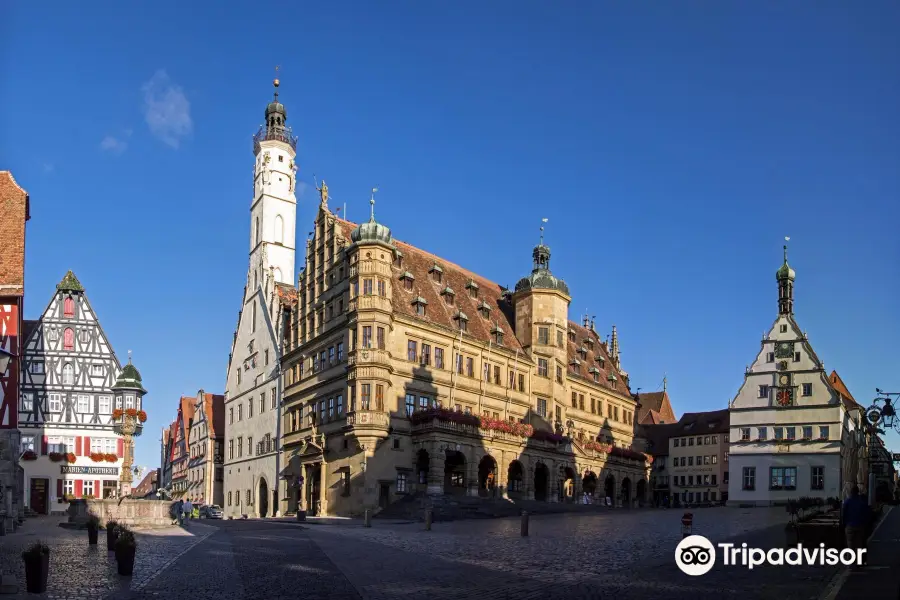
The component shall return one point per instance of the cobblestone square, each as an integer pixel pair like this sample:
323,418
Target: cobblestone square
619,554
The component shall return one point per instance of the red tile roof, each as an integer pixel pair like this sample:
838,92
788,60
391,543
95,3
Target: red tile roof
187,413
14,212
419,264
656,408
287,294
214,409
841,388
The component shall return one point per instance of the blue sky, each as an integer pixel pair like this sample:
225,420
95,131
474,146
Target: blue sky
672,146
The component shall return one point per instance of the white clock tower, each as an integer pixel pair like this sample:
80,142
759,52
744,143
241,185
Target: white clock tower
273,212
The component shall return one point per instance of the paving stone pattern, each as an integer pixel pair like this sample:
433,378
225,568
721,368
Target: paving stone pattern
81,571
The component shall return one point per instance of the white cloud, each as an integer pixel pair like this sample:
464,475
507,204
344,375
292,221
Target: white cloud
166,109
113,144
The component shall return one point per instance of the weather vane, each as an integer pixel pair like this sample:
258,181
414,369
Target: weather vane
372,202
542,231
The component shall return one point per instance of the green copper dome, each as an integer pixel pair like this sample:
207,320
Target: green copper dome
541,277
372,231
785,272
129,379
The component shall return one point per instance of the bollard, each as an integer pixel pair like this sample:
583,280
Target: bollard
428,519
368,519
687,524
524,523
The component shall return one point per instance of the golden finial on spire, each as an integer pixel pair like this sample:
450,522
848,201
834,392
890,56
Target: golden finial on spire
276,82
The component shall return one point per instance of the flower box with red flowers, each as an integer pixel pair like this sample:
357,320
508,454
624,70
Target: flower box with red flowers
110,457
142,416
131,412
57,456
70,457
29,455
117,413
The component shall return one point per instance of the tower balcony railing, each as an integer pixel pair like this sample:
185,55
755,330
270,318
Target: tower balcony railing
278,134
369,302
364,356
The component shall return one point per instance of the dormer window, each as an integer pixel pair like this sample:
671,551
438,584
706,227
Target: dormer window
436,272
398,259
472,287
420,303
589,342
611,377
462,320
601,361
595,373
583,352
407,279
498,335
485,309
448,295
571,336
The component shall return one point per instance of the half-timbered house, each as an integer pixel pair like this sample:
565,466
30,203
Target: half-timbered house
207,440
66,404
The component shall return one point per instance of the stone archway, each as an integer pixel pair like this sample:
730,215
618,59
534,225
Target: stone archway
609,487
487,476
455,473
626,492
515,479
541,482
423,462
641,492
262,497
589,483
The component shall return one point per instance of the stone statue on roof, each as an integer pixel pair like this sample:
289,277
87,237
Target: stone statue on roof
323,193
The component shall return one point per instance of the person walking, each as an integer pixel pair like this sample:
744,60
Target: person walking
180,512
187,510
855,516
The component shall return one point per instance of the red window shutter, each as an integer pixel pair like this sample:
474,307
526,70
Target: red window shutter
77,445
98,491
120,448
86,446
78,488
44,445
59,492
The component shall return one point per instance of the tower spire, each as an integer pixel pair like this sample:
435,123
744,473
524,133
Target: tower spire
785,277
614,346
372,205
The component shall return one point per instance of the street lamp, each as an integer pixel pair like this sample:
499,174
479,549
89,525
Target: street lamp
882,411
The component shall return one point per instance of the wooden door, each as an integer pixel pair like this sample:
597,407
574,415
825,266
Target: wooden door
384,495
38,497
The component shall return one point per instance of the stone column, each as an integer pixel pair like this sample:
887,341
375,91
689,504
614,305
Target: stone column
323,487
553,484
503,475
436,460
472,479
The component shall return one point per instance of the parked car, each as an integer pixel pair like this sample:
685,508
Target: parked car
211,511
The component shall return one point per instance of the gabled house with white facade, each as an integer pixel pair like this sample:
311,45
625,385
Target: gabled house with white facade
793,433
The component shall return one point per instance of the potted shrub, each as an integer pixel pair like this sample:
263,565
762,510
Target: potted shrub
126,546
37,567
93,527
112,532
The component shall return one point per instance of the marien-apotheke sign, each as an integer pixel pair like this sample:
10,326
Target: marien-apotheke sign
70,470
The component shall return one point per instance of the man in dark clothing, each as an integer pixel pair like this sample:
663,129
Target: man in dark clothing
856,519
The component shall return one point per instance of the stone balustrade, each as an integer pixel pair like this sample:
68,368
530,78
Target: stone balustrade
138,514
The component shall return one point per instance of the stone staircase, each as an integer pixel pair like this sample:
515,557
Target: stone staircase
448,507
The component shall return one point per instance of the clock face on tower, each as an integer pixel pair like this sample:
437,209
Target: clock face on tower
784,350
784,379
784,396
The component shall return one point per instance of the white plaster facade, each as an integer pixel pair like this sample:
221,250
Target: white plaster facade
789,426
253,391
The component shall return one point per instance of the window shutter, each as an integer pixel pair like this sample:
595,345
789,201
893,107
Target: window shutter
78,488
77,445
59,489
86,446
44,445
98,491
120,448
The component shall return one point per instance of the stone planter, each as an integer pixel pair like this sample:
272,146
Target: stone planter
37,568
92,535
112,534
125,560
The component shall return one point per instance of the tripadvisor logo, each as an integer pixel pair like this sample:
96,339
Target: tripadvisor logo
695,555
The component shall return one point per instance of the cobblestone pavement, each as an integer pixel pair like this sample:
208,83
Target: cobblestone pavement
81,571
622,555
